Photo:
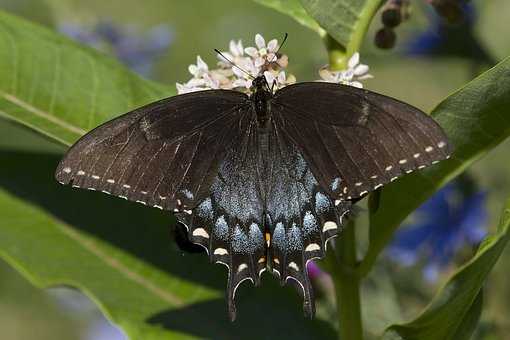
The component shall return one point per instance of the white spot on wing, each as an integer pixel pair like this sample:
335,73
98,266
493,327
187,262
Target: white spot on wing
429,149
312,247
95,176
441,144
80,173
329,225
242,267
110,180
67,170
402,161
294,266
201,232
220,251
389,167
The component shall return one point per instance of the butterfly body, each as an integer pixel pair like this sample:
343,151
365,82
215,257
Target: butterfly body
262,182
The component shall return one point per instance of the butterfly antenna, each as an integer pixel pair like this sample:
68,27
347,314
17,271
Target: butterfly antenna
233,64
279,47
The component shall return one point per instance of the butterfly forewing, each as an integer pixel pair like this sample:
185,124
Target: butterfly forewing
147,156
356,140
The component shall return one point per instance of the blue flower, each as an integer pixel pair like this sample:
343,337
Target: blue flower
447,222
444,39
138,52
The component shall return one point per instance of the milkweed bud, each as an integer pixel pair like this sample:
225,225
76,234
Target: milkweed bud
385,38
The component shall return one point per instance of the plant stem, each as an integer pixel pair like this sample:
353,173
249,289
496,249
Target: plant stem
336,52
347,285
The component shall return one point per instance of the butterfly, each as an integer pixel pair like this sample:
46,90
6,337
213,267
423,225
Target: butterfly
260,181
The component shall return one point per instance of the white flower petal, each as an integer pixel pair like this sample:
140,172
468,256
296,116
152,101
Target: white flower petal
240,48
347,75
269,78
365,76
251,51
259,41
272,46
354,60
327,75
241,83
227,55
201,64
180,88
238,73
193,69
193,82
361,69
232,46
282,77
259,62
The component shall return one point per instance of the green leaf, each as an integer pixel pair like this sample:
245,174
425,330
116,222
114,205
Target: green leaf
345,20
294,9
455,310
476,118
118,253
59,88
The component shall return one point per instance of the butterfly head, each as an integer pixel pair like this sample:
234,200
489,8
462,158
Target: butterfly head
259,83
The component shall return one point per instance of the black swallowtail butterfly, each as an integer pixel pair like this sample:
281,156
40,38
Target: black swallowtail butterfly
263,181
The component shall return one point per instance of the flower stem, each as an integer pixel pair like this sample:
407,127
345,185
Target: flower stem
347,285
336,52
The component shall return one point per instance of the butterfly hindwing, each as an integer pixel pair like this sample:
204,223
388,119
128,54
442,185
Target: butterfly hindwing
301,215
357,140
228,222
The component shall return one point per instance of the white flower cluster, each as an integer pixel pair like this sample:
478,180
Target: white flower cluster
262,59
351,76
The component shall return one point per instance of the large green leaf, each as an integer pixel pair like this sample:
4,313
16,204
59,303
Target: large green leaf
294,9
59,88
118,253
345,20
476,118
455,310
